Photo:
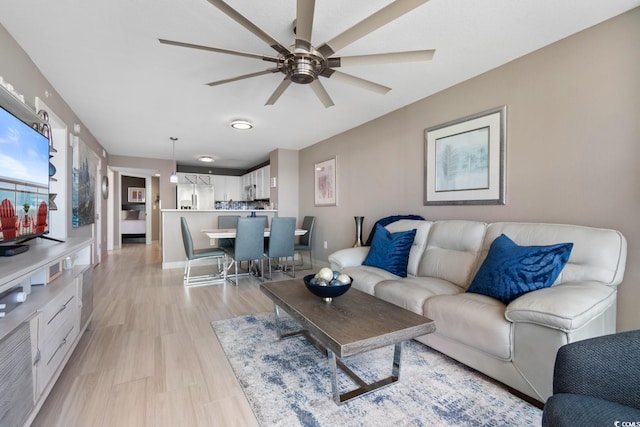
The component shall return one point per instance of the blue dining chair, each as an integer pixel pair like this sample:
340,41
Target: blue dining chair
248,246
281,242
198,255
225,222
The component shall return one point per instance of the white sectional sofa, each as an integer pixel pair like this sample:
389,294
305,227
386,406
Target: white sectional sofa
514,343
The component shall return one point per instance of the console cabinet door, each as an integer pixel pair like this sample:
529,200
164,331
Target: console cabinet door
16,377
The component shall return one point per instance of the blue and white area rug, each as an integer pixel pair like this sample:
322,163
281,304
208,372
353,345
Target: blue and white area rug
287,383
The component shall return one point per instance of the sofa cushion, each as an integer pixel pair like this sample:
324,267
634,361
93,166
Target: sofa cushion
510,270
410,293
365,278
598,254
452,251
390,251
472,319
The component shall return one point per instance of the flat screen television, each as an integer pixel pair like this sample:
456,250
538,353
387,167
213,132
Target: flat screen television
24,183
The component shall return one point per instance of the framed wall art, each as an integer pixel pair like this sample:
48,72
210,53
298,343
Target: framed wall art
465,160
85,163
325,183
135,195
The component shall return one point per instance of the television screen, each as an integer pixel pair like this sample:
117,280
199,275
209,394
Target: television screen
24,180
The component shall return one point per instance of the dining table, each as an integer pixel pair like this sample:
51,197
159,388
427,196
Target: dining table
230,233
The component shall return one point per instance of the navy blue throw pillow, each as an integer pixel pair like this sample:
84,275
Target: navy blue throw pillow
390,251
510,271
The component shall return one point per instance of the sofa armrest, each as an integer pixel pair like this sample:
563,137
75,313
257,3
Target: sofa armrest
566,306
606,367
349,257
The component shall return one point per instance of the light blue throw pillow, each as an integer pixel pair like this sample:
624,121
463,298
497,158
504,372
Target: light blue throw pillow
510,271
390,251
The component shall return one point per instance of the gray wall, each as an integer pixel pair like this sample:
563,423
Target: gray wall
18,69
573,148
284,168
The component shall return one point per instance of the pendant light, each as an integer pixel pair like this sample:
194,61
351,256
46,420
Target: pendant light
174,176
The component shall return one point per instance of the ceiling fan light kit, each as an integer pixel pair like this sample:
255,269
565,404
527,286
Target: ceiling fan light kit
302,63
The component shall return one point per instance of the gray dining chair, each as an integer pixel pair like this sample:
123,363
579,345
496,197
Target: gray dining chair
305,242
281,242
199,255
225,222
248,245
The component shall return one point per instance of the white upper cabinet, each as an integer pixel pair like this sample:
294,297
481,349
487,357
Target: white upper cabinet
259,180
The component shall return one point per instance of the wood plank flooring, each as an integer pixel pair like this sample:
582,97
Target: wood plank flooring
150,357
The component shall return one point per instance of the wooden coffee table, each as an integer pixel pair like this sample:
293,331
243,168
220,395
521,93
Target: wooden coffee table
351,324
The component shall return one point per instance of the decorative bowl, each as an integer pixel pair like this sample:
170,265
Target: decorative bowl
328,292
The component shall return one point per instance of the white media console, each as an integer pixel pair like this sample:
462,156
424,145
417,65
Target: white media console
38,335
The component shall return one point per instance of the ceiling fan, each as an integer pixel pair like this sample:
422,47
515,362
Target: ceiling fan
303,63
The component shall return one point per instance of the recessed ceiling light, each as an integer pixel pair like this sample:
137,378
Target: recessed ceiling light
206,159
241,124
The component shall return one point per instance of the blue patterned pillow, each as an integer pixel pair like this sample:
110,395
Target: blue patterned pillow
510,270
390,251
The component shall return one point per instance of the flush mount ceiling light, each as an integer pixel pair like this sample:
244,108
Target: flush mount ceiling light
241,125
206,159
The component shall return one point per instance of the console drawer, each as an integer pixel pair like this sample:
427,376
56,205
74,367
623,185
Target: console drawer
57,312
58,326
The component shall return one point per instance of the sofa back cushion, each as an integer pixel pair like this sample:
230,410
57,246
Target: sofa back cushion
452,251
419,242
597,255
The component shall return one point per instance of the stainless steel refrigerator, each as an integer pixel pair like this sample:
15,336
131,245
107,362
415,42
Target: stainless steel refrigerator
195,196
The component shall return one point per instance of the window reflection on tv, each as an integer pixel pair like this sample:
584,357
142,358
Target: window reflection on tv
24,180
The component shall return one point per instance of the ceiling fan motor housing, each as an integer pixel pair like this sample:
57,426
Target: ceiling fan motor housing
303,67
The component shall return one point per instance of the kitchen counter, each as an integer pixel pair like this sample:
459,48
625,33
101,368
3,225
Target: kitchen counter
221,210
173,255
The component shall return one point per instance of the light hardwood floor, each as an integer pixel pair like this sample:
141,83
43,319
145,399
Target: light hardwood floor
150,357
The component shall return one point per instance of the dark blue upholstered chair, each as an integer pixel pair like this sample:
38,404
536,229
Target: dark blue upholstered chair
596,382
281,242
305,242
198,255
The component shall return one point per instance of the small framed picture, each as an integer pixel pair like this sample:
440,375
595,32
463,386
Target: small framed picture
135,195
325,183
465,160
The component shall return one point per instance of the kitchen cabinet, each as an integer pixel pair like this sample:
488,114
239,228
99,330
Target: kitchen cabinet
194,178
256,184
263,191
227,187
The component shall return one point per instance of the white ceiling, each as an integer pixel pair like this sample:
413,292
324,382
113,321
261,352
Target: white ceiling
133,93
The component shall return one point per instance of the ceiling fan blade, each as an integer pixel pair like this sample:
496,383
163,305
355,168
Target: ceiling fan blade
369,24
322,94
356,81
240,19
218,50
304,24
284,84
245,76
382,58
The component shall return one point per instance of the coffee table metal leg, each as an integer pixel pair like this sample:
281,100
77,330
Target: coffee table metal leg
282,335
363,388
276,311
